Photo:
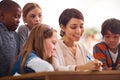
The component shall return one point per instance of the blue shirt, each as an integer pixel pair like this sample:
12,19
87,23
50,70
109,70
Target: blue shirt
9,49
32,64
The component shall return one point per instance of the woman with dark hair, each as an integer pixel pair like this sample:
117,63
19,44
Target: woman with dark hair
69,54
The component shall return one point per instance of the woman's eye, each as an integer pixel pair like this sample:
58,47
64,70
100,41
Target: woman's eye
73,27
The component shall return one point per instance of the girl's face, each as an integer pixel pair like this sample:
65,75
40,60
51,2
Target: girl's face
112,40
74,29
49,44
33,17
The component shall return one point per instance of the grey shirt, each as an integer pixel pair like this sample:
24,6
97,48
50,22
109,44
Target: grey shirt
9,49
23,32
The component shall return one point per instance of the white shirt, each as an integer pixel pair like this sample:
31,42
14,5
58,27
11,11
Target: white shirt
63,60
39,65
113,55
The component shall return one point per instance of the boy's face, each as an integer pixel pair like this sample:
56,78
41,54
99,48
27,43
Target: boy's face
11,18
112,40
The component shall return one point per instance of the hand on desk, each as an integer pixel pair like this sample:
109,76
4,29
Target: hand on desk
94,65
118,67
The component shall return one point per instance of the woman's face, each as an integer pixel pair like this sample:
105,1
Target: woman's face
49,44
112,40
33,17
74,29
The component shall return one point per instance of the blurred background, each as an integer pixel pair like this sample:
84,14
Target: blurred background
94,11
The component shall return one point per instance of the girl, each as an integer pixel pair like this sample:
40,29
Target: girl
32,15
37,51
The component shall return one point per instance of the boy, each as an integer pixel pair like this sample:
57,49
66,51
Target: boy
108,51
10,13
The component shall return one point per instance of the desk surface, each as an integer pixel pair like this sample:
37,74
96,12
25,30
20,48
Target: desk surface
102,75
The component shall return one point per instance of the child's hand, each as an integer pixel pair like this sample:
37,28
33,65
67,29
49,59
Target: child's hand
118,67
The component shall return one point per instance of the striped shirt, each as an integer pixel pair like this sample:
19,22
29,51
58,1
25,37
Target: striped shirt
101,52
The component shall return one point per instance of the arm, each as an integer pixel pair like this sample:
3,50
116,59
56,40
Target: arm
0,41
23,33
91,63
58,60
99,52
39,65
58,64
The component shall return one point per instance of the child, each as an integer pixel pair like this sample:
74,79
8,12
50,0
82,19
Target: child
108,51
32,15
37,51
10,13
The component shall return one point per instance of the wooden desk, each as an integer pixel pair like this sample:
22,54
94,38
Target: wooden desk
103,75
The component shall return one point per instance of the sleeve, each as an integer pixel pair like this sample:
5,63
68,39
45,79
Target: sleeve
0,40
58,61
22,32
39,65
85,52
99,53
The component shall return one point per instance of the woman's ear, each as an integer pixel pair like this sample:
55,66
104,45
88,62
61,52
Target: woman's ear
62,27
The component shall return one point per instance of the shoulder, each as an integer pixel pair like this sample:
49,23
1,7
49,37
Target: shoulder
23,31
101,45
39,65
119,46
16,35
59,41
31,56
59,44
81,45
82,48
23,28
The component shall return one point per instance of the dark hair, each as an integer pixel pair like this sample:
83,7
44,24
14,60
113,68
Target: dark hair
112,24
7,5
67,14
